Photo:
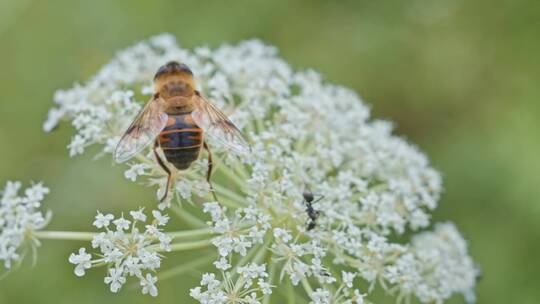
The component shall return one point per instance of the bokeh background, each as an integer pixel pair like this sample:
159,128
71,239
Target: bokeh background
459,78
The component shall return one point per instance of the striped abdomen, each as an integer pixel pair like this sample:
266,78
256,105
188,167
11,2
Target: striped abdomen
181,140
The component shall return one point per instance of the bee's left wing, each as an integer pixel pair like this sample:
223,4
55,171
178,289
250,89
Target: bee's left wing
214,123
144,129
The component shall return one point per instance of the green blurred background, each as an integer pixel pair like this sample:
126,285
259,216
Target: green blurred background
459,78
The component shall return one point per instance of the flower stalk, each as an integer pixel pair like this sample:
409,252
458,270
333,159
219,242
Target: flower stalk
64,235
182,246
88,236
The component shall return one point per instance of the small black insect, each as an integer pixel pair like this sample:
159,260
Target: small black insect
325,273
312,213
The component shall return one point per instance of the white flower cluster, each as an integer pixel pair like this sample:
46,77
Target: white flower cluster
20,216
126,250
436,266
251,285
304,133
345,293
233,238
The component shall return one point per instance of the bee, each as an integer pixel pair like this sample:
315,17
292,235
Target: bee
311,212
176,119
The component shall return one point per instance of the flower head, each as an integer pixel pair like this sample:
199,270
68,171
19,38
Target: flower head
304,132
20,216
126,252
436,266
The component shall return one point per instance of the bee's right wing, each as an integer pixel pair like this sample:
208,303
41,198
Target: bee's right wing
150,121
214,123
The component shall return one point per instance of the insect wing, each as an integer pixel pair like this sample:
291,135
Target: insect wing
214,123
150,121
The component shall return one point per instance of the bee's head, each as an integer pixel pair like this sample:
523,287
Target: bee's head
172,68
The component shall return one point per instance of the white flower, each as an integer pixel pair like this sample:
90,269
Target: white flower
82,260
348,278
103,220
138,215
265,287
358,298
53,118
36,193
20,216
370,185
222,264
209,279
320,296
148,285
115,279
184,188
161,220
77,145
121,224
126,251
136,170
252,271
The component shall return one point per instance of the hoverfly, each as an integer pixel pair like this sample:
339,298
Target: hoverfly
311,212
176,119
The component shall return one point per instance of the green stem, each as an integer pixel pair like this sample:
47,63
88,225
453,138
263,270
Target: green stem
144,159
191,265
260,254
244,260
189,218
184,246
228,202
233,176
257,258
231,194
191,245
271,274
234,200
190,233
88,236
64,235
255,254
290,293
242,172
307,287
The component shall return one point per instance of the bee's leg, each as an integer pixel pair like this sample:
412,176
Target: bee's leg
210,166
165,168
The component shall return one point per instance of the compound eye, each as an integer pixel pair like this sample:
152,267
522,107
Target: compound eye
184,68
162,70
